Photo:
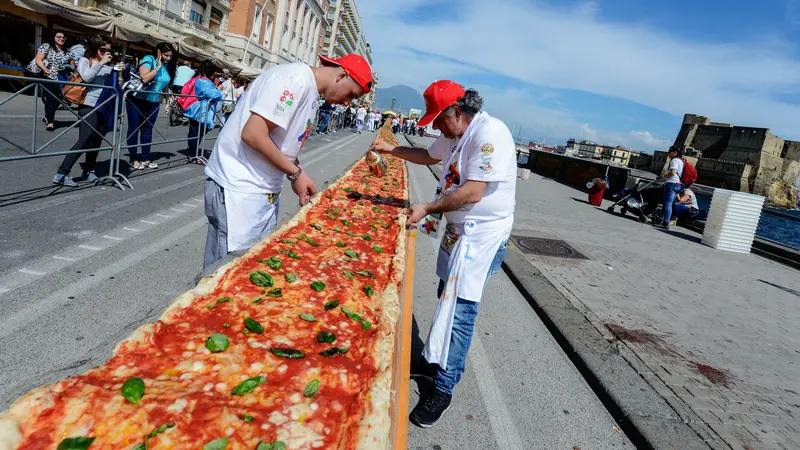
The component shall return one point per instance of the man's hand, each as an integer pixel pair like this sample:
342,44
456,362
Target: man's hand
382,146
304,187
416,213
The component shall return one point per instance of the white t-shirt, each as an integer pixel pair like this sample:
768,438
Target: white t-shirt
286,95
395,121
488,154
361,113
677,164
692,200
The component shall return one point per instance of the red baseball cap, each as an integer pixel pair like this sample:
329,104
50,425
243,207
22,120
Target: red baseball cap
439,96
355,65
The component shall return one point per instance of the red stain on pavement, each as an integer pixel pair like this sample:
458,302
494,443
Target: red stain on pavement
644,338
713,375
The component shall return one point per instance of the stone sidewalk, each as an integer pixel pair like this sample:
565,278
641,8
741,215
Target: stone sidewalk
716,334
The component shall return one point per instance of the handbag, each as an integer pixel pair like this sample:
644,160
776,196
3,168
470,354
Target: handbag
72,93
135,83
34,68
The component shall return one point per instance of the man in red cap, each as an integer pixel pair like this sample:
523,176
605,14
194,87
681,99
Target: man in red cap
259,146
476,195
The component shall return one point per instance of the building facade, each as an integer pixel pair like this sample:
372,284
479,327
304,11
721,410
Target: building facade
263,33
344,35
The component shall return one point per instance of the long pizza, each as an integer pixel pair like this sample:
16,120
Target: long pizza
289,346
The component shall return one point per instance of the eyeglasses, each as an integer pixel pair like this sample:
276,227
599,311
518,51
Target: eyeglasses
61,37
104,50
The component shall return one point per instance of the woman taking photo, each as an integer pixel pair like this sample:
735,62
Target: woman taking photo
201,112
94,68
142,112
51,57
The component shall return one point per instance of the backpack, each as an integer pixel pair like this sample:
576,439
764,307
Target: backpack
689,175
188,89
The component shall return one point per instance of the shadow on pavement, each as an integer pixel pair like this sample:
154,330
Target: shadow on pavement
687,237
580,200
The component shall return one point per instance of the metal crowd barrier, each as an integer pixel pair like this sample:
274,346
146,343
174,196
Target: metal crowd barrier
199,155
35,151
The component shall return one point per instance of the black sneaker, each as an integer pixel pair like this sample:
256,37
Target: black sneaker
427,413
420,368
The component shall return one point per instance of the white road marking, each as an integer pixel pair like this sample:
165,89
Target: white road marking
64,258
165,216
113,238
149,222
31,272
35,310
501,420
178,210
189,205
135,230
4,290
89,247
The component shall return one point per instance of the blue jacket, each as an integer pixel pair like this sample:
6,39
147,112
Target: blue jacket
203,110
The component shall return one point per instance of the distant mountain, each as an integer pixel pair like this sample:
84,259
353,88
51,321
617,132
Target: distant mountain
406,98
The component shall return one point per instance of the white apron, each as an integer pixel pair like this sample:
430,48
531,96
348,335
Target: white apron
251,217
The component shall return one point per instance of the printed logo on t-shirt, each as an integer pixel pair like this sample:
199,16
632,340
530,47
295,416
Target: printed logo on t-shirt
452,177
486,164
487,149
307,132
287,98
272,198
450,237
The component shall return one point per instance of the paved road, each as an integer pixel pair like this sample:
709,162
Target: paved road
84,267
715,333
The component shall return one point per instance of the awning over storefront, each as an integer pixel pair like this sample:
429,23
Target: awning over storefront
93,19
192,52
246,71
134,33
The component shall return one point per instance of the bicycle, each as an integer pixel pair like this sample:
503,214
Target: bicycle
175,113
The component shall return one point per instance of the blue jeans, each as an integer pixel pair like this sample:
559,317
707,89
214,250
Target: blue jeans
196,133
463,327
323,122
679,209
670,191
142,115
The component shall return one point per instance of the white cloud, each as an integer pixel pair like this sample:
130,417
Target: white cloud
580,49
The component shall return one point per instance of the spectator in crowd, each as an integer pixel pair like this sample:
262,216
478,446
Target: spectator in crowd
361,115
228,90
199,111
50,58
324,118
378,120
78,49
183,73
673,185
142,113
685,203
239,85
95,68
395,125
370,120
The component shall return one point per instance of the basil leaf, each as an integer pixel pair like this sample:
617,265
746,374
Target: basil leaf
369,291
277,292
133,390
217,342
337,229
249,385
75,443
261,279
365,324
140,446
274,262
331,304
340,244
316,227
326,337
386,227
253,325
351,314
366,237
350,233
348,189
377,248
365,273
257,301
351,253
247,417
288,241
217,444
348,274
333,351
311,389
308,317
346,222
159,430
220,300
287,353
277,445
293,255
226,325
291,278
374,228
317,285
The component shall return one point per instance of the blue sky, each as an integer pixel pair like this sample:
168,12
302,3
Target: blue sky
621,72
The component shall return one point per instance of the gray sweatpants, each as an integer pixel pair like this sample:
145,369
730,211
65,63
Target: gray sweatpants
217,240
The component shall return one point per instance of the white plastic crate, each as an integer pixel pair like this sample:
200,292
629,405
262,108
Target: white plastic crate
732,221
